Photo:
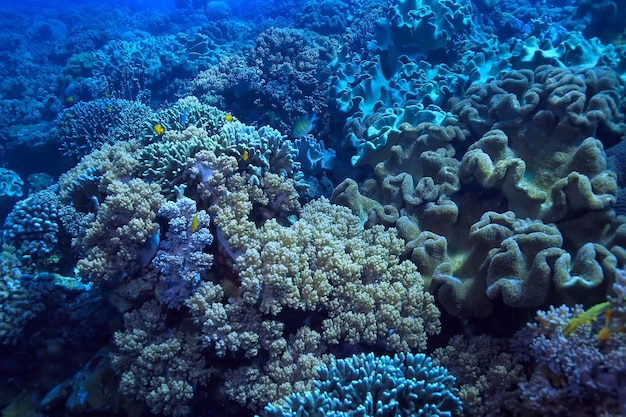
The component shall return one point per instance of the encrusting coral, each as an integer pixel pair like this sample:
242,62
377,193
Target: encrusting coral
532,153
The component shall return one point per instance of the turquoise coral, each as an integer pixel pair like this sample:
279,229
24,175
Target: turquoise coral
405,385
11,184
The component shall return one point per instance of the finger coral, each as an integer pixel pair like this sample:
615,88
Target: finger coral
156,364
122,230
325,259
339,284
405,385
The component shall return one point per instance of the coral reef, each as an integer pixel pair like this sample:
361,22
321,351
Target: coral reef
577,359
11,184
34,227
121,238
188,262
404,385
258,151
156,365
180,257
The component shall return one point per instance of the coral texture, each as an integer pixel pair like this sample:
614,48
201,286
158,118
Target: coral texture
530,146
157,365
11,184
121,234
577,359
181,257
555,167
405,385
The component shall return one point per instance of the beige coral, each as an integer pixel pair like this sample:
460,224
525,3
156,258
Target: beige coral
292,367
326,260
124,224
112,162
552,184
322,280
487,375
158,365
238,199
238,328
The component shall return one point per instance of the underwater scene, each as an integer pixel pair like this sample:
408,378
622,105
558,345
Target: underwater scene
313,208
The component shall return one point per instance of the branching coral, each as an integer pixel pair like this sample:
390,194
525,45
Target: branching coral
186,112
405,385
119,240
230,78
486,373
158,365
180,258
239,198
578,373
87,126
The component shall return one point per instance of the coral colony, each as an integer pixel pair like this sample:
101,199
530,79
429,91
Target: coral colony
313,208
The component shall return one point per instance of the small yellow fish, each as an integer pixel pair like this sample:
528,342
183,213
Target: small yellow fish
158,129
245,156
110,109
195,222
70,99
586,317
228,117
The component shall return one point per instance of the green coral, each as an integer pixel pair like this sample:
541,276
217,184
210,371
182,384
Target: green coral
480,229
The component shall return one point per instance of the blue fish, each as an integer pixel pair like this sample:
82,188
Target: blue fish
183,118
303,126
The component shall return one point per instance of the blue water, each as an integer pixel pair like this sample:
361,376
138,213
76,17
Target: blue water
204,203
30,6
